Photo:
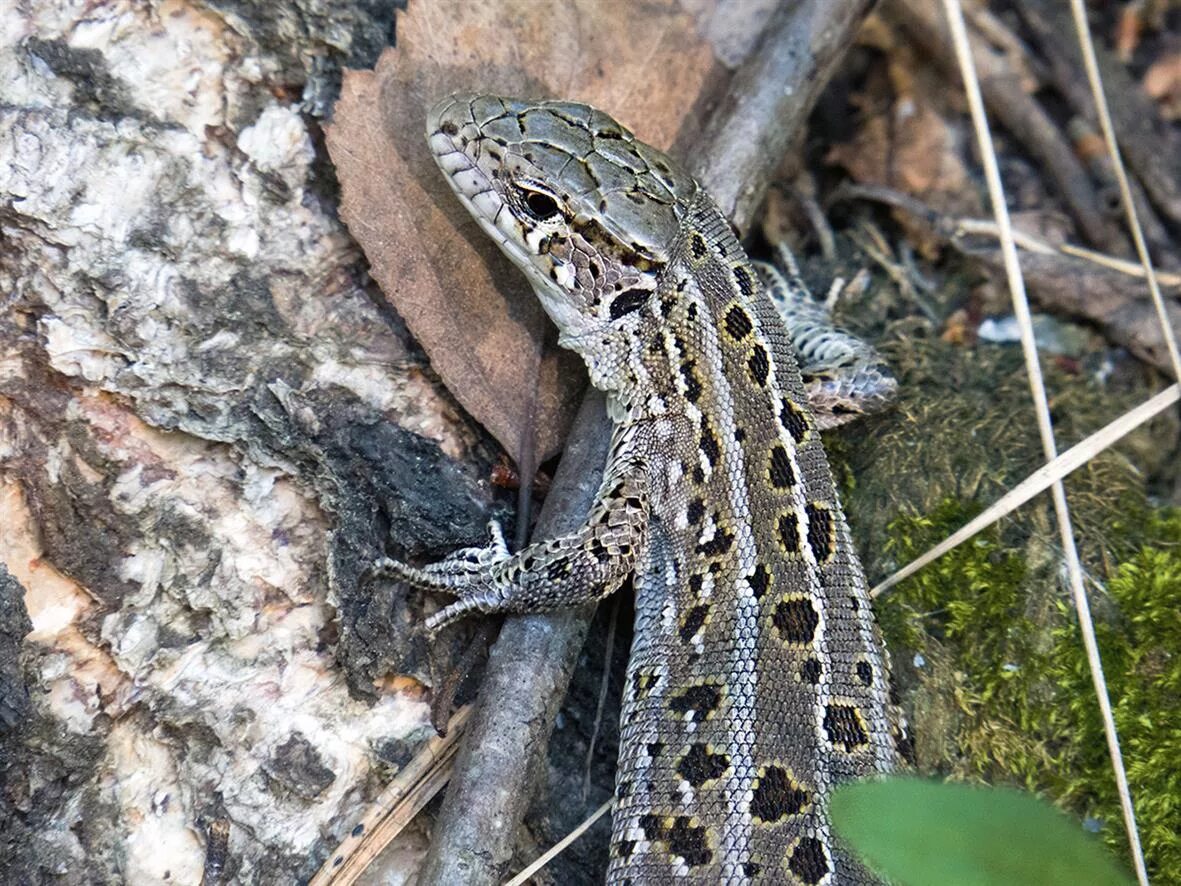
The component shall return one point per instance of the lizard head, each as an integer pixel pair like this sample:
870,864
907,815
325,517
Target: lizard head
589,213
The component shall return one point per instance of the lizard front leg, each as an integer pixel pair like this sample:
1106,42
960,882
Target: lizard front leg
554,574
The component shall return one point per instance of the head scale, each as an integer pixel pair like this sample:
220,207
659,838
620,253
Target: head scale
589,213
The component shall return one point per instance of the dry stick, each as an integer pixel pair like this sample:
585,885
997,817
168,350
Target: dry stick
955,18
1092,65
1105,295
411,789
1150,147
529,668
530,664
1021,115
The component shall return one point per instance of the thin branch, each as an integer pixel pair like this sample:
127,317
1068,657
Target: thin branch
996,192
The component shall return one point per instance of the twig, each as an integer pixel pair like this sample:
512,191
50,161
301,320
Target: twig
1151,150
604,682
411,789
1104,295
1021,115
1045,423
558,848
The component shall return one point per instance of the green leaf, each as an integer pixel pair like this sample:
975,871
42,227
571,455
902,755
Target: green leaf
917,832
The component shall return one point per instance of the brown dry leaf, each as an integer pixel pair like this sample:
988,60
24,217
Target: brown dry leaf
470,309
910,148
1162,81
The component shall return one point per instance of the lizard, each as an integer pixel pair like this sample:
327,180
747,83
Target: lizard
757,679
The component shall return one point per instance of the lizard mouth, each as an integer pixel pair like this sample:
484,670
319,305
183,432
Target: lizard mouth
456,143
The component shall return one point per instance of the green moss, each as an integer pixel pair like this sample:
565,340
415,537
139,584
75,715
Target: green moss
999,686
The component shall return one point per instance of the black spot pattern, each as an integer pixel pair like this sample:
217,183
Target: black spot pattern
809,861
777,795
793,419
698,246
864,673
738,323
744,279
693,621
811,670
627,301
642,683
709,443
843,726
682,835
692,382
702,701
696,511
821,538
796,619
779,471
717,545
788,528
689,841
700,764
759,581
759,365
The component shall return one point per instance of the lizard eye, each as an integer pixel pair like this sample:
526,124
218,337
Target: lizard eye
540,205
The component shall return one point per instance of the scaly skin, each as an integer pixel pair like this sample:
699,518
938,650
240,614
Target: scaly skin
757,678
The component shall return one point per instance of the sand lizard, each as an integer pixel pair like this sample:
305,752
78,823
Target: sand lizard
757,678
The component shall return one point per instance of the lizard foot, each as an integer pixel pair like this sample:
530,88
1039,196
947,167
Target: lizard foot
465,573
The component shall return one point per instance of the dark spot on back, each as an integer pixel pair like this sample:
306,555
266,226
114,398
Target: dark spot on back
809,861
701,764
843,726
692,384
701,701
793,419
759,365
779,471
796,619
821,537
777,795
709,443
759,580
693,621
788,528
738,323
864,672
744,280
719,544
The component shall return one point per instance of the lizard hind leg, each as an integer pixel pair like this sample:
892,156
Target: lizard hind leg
844,376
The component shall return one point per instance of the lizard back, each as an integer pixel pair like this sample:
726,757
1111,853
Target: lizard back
757,679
